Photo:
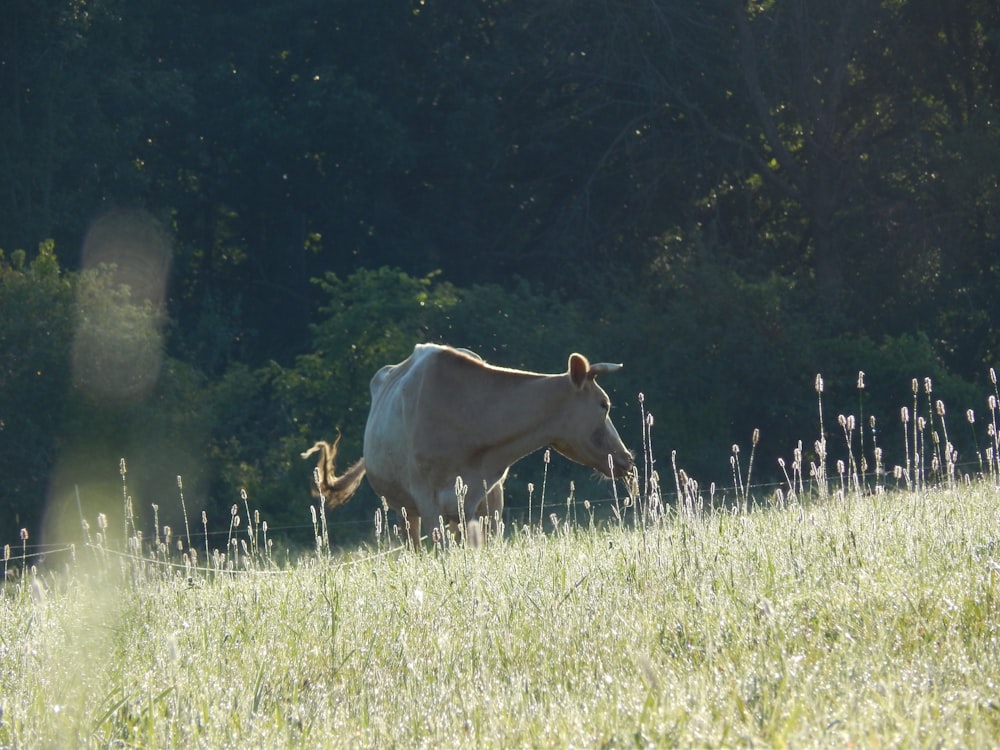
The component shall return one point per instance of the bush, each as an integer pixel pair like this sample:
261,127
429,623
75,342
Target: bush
36,306
85,383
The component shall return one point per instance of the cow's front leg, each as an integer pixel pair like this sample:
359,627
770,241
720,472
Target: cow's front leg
484,509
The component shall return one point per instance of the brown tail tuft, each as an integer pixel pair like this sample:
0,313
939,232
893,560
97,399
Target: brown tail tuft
326,484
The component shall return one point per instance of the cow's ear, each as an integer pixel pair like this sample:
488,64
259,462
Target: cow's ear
578,369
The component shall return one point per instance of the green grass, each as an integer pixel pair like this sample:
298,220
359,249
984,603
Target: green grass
854,620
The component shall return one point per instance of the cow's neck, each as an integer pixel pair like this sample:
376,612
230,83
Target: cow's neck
522,414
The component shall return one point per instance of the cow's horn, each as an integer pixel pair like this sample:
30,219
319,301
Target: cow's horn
603,368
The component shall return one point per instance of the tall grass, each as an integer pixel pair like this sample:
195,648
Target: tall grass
826,612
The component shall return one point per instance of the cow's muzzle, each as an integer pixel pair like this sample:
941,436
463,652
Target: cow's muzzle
619,464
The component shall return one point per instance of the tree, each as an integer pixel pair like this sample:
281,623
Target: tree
76,92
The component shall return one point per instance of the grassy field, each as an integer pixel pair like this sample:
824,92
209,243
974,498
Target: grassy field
864,620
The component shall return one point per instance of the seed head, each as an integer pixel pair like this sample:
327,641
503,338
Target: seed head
819,383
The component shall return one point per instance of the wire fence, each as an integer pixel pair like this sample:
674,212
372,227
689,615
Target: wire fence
30,553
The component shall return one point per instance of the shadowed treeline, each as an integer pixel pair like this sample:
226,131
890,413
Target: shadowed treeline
727,198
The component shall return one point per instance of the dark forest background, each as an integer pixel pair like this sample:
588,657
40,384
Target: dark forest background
218,219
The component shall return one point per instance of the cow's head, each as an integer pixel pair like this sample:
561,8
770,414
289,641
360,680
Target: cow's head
588,436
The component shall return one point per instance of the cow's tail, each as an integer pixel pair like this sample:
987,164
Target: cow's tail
343,487
326,484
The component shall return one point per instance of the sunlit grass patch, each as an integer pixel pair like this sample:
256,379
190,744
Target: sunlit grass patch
824,622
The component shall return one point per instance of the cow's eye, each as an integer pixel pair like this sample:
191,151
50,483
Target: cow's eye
606,406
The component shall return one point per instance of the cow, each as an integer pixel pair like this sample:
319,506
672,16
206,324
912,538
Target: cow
444,413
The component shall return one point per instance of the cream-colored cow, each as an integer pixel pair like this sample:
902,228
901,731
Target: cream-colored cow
444,413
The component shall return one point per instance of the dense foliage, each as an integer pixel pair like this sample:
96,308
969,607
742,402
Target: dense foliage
728,197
